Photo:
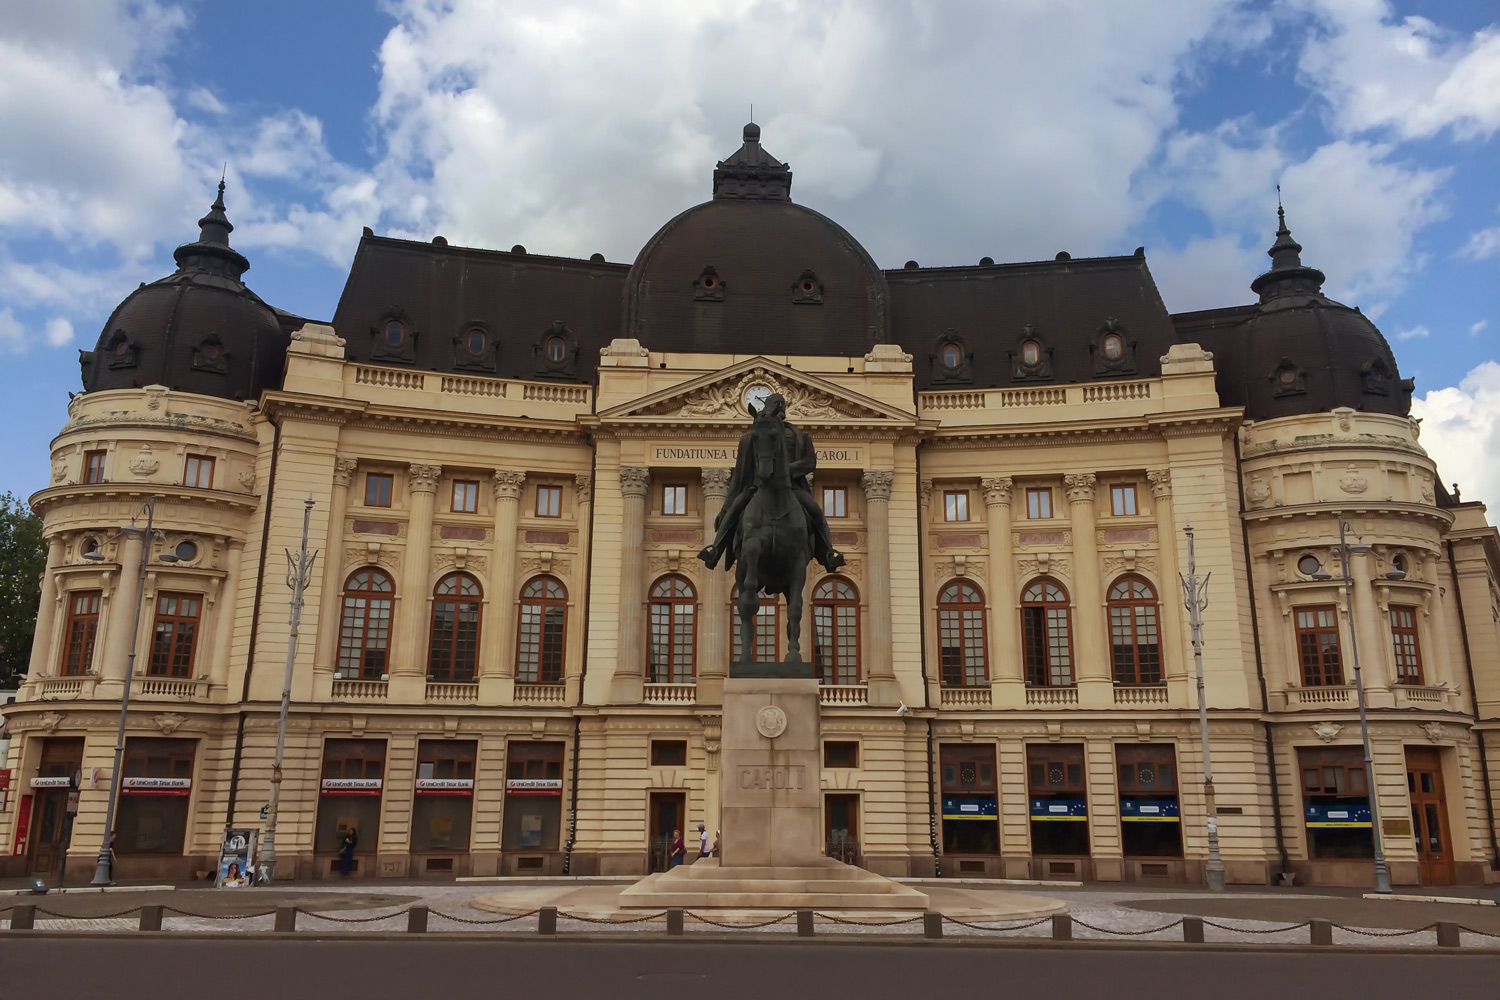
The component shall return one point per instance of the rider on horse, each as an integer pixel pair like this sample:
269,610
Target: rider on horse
801,461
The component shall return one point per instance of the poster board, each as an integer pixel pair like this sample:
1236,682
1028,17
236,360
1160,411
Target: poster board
236,859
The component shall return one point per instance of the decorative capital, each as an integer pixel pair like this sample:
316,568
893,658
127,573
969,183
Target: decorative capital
715,482
1080,487
996,491
424,478
1161,483
583,487
924,492
506,484
877,483
343,471
635,480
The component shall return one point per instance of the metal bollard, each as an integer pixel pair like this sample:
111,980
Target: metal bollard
1447,934
674,921
804,923
546,920
1320,931
1062,927
23,916
416,919
286,919
151,917
1192,930
932,924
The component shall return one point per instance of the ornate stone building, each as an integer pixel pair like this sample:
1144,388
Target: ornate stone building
512,662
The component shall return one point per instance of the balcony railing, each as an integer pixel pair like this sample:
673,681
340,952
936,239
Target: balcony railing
51,688
358,690
1421,695
452,691
539,694
844,694
671,694
1140,694
1052,695
966,697
1338,695
169,687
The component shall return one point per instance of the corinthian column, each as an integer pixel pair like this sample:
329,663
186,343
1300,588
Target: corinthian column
114,657
583,505
1174,641
630,662
883,687
326,649
1091,669
497,660
713,608
408,668
1004,661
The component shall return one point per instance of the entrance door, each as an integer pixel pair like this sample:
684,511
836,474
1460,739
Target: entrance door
667,812
1429,815
48,813
841,827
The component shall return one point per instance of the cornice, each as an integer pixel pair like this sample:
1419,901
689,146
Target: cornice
1142,427
53,496
1359,508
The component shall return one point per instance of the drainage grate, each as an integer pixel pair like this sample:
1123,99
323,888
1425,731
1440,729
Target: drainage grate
440,864
529,864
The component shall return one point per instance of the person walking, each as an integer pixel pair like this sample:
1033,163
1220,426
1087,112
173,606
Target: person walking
346,851
716,842
679,850
702,841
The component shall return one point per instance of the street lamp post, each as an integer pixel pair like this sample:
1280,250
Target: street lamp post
299,572
1195,596
1382,876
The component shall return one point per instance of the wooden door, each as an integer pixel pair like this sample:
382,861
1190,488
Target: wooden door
667,812
841,827
48,817
1429,815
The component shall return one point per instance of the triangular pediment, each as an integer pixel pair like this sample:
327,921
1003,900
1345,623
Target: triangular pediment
720,395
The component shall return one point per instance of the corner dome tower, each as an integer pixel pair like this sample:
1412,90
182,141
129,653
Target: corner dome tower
1302,352
197,330
751,272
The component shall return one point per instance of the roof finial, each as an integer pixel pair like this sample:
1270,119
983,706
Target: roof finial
1280,213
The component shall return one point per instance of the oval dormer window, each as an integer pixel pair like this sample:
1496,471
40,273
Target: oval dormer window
211,352
808,286
710,282
1114,347
395,333
557,350
1031,353
951,355
1286,376
474,340
122,346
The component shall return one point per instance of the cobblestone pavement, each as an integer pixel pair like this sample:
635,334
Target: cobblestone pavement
1098,914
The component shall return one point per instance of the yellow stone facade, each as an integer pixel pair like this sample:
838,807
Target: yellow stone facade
1260,496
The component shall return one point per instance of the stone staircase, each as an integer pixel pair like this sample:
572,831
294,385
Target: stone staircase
827,885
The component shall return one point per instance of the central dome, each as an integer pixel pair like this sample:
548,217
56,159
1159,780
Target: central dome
752,273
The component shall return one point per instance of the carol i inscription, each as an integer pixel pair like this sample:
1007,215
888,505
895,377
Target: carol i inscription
787,778
709,454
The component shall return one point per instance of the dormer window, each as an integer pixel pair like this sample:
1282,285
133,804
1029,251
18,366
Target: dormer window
1113,353
121,353
395,333
709,287
475,341
1288,379
394,339
474,349
1031,359
951,355
210,356
1114,347
807,289
556,350
1031,353
951,360
1377,377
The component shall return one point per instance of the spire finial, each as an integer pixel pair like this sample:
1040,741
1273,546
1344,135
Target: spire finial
1287,273
1280,214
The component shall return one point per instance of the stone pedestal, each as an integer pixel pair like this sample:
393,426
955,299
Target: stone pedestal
771,759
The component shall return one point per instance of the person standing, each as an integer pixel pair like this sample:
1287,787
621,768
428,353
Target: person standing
346,851
702,841
716,842
679,850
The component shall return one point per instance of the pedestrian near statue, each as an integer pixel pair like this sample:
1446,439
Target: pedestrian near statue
346,851
679,850
702,841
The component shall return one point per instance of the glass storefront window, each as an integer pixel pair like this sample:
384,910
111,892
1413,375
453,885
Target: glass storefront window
443,809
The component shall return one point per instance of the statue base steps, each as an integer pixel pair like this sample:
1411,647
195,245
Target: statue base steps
826,885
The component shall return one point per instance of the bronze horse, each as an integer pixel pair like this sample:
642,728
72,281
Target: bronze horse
772,541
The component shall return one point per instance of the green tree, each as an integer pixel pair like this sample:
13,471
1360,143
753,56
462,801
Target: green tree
22,560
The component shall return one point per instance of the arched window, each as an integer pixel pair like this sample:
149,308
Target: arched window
365,631
961,645
674,615
836,631
1133,635
1046,635
454,649
544,620
767,628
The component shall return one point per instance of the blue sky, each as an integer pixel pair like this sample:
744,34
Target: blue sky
940,132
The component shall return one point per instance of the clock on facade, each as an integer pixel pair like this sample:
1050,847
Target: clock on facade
755,396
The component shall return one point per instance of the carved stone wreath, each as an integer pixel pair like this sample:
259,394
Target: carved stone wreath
770,722
726,399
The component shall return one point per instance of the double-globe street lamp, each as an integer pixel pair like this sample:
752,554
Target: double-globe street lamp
1195,596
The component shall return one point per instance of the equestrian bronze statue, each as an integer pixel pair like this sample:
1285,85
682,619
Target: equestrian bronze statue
770,526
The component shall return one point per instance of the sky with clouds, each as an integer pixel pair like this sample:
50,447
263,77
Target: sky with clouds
935,131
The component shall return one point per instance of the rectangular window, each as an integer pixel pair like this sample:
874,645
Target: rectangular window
82,630
1046,647
674,500
93,466
378,489
841,753
1150,820
1059,804
971,822
1038,503
668,753
1408,655
350,790
465,497
835,500
533,797
549,501
955,505
443,809
199,473
153,805
1336,802
1122,500
1318,646
175,636
767,631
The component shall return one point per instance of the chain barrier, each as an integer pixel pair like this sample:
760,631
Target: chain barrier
1475,930
471,920
1384,934
867,923
1111,930
90,916
349,920
1255,930
605,920
217,916
1010,927
738,927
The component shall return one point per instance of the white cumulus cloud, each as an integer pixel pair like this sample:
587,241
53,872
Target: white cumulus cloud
1415,333
1461,431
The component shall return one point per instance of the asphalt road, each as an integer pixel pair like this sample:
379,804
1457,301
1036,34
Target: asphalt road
165,968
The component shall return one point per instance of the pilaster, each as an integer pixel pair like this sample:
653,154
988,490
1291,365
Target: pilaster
1091,668
628,687
408,674
881,676
713,607
497,660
